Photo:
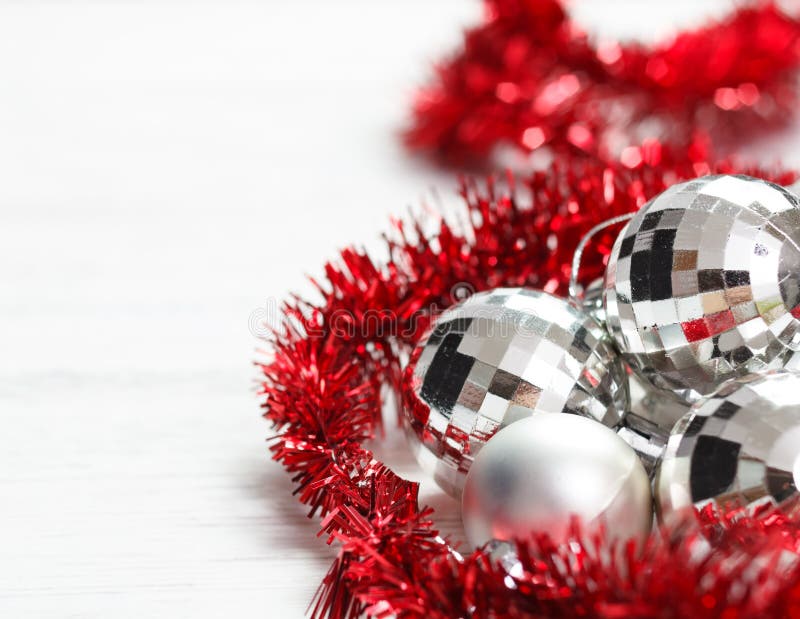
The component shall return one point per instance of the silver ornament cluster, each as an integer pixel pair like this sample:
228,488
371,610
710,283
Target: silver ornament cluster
737,449
499,357
701,299
702,284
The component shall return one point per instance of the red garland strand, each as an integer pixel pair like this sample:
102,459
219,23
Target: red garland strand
530,77
323,388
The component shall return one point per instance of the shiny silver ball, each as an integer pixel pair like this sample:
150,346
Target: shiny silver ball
498,357
703,284
534,476
739,448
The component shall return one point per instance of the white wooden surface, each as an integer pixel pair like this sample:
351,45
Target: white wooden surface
166,170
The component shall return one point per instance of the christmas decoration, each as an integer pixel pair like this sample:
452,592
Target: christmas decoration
739,448
701,284
529,77
649,118
331,360
535,475
498,357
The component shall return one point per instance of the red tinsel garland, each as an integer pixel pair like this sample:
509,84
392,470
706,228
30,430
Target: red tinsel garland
323,391
530,77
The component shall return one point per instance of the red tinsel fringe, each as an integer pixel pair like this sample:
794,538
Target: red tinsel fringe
332,360
530,77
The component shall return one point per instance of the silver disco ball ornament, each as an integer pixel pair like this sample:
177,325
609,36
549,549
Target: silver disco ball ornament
703,284
739,448
498,357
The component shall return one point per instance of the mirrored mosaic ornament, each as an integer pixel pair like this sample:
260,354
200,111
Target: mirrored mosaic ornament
739,448
498,357
703,284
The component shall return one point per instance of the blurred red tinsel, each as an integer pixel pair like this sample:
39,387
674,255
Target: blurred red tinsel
530,77
331,361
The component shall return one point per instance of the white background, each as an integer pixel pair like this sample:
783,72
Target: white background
166,170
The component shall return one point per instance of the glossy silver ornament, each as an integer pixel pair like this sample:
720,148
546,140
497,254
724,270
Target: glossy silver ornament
703,284
739,448
534,476
498,357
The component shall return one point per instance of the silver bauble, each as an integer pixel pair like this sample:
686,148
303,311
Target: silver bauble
703,284
534,476
739,448
498,357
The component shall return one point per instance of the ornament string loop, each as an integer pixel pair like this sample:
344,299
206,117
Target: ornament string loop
575,290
